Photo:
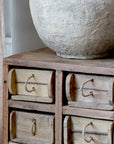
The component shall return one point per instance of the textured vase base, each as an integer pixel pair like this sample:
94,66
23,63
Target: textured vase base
83,57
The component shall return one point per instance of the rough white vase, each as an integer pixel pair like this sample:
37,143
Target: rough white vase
81,29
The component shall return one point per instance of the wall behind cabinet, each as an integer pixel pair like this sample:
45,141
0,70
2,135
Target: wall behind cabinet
20,32
24,35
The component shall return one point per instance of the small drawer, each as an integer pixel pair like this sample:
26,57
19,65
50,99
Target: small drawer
79,130
12,142
90,91
29,128
31,85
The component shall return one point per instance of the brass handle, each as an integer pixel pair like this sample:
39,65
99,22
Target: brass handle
33,130
33,88
82,88
83,133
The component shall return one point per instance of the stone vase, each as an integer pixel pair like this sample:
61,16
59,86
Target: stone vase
82,29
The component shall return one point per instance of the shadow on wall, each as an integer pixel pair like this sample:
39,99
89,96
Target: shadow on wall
24,35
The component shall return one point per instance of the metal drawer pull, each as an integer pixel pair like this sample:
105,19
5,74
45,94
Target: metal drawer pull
83,133
33,88
33,130
82,88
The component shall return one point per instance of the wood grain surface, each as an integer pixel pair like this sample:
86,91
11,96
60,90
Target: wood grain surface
99,114
46,58
99,130
95,94
31,128
2,52
5,104
32,106
31,85
58,107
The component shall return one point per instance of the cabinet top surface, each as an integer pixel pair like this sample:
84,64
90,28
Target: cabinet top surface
46,58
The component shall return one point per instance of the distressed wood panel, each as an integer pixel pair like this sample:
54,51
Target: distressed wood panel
31,106
46,58
5,104
81,130
31,128
32,85
13,143
2,52
90,90
58,108
92,113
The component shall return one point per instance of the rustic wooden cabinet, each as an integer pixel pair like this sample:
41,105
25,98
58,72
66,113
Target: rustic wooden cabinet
48,99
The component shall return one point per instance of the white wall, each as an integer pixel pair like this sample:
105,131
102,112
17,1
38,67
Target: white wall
20,27
7,16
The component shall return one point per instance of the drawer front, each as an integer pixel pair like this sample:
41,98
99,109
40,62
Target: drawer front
31,128
90,91
31,85
79,130
13,143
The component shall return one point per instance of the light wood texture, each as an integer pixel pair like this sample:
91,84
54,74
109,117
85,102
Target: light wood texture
92,105
2,54
103,83
101,88
32,106
5,104
100,131
31,128
58,107
100,114
12,143
22,82
46,58
32,98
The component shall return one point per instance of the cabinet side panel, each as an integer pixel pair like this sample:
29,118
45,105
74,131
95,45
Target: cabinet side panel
5,104
2,52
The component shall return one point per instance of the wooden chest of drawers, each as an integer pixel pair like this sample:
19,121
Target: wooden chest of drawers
51,100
